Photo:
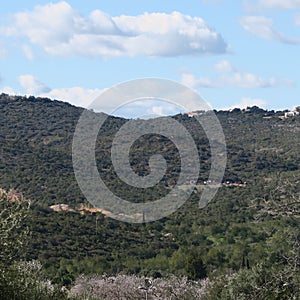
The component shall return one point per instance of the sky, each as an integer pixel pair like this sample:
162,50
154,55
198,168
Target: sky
232,53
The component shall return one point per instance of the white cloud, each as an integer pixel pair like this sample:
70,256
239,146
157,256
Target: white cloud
89,98
75,95
60,30
148,108
297,20
158,110
227,76
32,86
279,4
191,81
263,28
224,66
28,52
248,102
8,90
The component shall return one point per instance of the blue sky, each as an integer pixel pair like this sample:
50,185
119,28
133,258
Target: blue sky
233,53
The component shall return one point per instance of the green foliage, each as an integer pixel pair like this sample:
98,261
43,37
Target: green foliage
194,266
25,280
19,280
13,231
260,282
242,227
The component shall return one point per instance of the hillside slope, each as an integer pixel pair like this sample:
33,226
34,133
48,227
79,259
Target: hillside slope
255,208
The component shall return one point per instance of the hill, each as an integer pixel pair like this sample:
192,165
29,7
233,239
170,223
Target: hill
254,211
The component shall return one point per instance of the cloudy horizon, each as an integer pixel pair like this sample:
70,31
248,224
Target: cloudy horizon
233,55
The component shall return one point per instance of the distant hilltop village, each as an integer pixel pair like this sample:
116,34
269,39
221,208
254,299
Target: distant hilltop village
195,113
291,113
267,114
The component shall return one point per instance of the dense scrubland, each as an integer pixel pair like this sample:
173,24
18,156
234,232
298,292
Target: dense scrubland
244,245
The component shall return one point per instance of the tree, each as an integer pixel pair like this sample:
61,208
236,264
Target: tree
13,233
19,279
194,266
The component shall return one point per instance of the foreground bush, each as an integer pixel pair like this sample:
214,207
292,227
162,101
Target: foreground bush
131,287
24,281
19,280
259,283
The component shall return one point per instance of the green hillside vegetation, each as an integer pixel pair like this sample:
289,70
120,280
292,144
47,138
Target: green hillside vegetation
247,236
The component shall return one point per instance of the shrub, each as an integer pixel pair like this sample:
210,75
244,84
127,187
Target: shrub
261,282
132,287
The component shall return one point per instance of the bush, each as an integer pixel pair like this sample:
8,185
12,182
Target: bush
24,281
260,283
19,280
132,287
13,234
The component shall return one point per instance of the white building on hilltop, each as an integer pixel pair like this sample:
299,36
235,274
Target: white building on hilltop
291,113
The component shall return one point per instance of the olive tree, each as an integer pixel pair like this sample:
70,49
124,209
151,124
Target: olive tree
13,232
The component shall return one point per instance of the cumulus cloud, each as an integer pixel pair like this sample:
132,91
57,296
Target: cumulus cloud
28,52
278,4
8,90
263,28
75,95
89,98
191,81
227,76
224,66
147,108
32,86
60,30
